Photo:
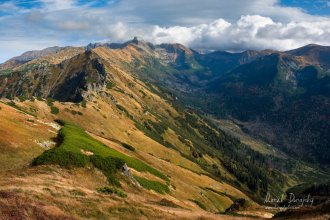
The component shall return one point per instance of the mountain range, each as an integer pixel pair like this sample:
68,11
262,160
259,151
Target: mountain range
202,134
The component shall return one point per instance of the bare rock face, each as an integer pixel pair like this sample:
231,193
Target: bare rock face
66,81
128,173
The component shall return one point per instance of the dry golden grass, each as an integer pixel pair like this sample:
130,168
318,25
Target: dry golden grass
20,134
73,192
185,184
60,56
61,192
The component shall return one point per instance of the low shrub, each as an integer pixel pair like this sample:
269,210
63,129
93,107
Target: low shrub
75,112
60,122
110,85
13,104
54,110
83,103
152,185
50,101
61,157
76,192
22,98
121,108
73,139
39,98
109,166
168,203
111,190
128,147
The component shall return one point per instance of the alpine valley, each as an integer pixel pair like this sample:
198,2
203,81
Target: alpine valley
141,131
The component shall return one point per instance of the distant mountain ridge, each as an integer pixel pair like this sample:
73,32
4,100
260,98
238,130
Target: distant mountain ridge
223,61
282,97
29,56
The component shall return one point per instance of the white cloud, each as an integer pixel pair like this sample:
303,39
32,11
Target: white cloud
7,6
57,4
192,12
211,24
249,32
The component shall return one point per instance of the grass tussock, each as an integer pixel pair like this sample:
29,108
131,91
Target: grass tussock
111,190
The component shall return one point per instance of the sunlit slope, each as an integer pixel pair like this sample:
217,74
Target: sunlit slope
22,137
185,184
105,93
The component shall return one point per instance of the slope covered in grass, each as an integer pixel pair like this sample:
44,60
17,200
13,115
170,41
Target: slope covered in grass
73,140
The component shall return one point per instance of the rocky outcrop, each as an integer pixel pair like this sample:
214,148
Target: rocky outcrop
66,81
128,174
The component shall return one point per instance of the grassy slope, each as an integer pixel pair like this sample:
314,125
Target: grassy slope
125,56
75,139
147,150
183,180
104,121
20,134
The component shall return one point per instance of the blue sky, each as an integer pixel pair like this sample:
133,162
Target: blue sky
316,7
208,24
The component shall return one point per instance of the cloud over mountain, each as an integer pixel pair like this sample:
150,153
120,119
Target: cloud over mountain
209,24
250,31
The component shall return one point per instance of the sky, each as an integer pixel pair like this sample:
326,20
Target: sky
232,25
